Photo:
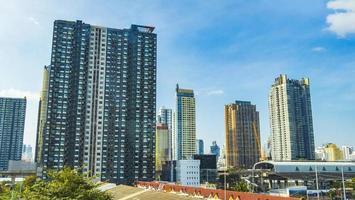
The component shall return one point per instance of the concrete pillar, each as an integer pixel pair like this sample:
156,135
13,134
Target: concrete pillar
13,177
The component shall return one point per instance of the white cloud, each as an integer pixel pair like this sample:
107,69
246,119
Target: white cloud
342,21
318,49
19,94
33,20
209,92
215,92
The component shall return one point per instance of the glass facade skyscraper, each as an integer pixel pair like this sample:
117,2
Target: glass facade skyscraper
101,101
12,124
291,120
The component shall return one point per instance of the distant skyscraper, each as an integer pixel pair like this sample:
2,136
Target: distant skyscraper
199,146
100,102
215,149
185,131
42,114
162,146
27,153
242,134
347,151
221,163
165,117
291,119
12,124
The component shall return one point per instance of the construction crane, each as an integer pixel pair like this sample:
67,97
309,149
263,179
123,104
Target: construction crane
256,136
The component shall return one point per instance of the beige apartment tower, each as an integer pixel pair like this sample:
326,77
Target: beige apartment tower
291,121
42,114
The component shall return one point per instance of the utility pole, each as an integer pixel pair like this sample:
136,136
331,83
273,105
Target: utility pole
342,178
317,182
225,179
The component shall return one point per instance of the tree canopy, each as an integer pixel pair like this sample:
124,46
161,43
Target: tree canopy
66,184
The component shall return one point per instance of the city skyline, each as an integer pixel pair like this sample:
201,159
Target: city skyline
203,61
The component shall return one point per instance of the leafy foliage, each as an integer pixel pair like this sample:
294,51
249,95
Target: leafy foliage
66,184
4,192
240,186
234,181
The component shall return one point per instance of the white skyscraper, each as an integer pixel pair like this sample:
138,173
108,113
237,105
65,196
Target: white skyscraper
291,119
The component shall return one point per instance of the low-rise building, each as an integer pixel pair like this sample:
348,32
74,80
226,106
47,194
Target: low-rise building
347,151
208,168
188,172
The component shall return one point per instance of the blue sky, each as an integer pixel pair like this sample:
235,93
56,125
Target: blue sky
224,50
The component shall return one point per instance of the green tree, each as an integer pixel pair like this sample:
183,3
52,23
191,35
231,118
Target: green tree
240,186
5,192
66,184
232,178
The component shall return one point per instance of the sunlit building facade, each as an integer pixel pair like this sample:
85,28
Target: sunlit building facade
162,146
291,120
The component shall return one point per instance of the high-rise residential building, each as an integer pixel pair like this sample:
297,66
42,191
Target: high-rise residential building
27,153
242,134
42,114
291,119
347,151
100,102
12,124
199,146
214,149
162,146
185,131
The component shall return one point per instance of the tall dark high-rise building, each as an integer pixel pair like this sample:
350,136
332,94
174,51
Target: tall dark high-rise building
242,134
291,122
12,124
101,102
